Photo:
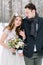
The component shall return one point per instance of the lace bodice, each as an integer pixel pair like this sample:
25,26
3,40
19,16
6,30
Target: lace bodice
10,34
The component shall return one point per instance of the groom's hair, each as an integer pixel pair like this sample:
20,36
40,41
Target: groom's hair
31,6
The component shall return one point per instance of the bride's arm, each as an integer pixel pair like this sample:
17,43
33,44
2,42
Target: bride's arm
2,39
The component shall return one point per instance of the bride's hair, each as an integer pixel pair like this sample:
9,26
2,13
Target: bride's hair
11,25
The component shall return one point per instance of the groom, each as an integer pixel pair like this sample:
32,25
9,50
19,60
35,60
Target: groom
32,32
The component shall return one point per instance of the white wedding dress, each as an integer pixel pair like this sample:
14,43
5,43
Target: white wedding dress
7,58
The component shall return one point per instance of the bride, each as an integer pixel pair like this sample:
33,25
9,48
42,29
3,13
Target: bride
9,32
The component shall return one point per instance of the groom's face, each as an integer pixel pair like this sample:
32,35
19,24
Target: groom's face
29,13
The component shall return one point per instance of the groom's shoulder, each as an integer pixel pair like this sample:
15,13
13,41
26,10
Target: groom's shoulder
40,19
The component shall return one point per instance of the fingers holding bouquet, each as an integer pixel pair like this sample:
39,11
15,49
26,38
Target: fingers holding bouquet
12,50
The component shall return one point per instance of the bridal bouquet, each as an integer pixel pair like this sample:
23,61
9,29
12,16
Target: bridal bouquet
15,43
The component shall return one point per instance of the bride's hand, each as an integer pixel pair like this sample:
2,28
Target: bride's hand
12,50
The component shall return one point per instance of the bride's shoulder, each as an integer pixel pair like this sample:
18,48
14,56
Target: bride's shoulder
6,30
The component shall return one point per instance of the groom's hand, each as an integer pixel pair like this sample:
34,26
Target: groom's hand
22,33
20,54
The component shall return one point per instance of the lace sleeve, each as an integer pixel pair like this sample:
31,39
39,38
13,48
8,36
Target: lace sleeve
6,31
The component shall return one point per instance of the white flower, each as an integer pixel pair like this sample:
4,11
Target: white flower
16,14
20,44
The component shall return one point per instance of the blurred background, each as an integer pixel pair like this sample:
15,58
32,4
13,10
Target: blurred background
9,7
